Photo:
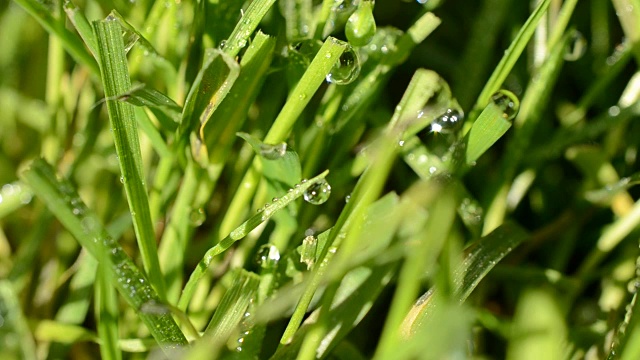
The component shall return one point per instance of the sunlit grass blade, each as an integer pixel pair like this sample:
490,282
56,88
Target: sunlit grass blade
241,232
296,102
82,25
115,78
251,17
233,309
62,199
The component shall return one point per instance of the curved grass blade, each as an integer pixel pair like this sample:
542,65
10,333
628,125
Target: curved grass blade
115,78
482,257
511,56
62,199
240,232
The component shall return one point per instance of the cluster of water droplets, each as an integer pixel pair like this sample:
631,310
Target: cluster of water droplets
14,190
246,326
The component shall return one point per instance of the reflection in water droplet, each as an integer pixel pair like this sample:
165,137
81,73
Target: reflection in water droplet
447,123
222,44
268,256
577,47
346,69
197,217
507,102
361,25
318,193
273,152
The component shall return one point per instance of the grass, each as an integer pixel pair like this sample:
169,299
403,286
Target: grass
319,179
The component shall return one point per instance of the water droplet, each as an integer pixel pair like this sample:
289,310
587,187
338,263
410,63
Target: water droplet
345,6
222,44
122,179
274,199
197,217
507,102
273,152
347,198
268,256
576,48
242,43
318,193
346,69
614,111
447,123
361,25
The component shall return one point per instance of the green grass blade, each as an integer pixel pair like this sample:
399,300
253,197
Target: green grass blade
62,199
82,25
107,314
70,41
115,77
511,56
490,126
14,326
296,102
481,257
252,16
240,232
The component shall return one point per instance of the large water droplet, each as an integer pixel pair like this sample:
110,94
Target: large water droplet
273,152
507,102
197,217
345,6
576,48
447,123
318,193
268,256
361,25
346,69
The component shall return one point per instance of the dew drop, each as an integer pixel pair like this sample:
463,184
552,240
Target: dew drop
576,48
222,44
347,198
346,69
267,256
122,179
197,217
345,6
447,123
507,102
361,25
242,43
318,193
273,152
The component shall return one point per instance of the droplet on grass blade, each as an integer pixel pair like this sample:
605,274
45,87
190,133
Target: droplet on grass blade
197,217
361,25
507,102
346,69
447,123
577,47
318,193
273,152
268,256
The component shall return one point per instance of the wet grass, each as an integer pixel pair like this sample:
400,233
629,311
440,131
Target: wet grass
311,179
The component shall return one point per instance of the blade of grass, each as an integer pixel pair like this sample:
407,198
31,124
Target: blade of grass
509,59
14,325
62,199
69,40
296,102
115,77
106,308
242,32
482,256
240,232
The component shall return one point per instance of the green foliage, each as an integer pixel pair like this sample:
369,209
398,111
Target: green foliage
319,179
